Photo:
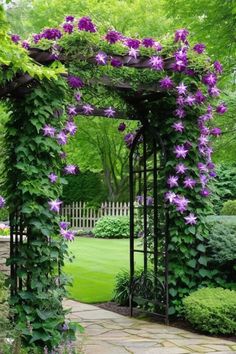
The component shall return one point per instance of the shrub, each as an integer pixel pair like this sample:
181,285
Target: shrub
225,185
143,288
112,227
212,310
222,243
121,290
229,208
84,187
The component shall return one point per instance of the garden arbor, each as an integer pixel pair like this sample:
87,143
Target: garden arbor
165,86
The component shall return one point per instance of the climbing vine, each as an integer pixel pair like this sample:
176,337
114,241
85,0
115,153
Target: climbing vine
184,81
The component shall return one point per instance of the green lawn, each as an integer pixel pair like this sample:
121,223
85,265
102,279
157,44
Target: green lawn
96,263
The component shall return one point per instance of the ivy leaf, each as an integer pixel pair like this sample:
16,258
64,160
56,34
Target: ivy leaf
203,260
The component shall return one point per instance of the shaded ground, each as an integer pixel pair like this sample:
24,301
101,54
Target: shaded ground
107,332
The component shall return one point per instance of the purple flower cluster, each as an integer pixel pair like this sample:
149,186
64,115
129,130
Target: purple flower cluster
75,82
86,24
68,235
140,200
2,202
51,34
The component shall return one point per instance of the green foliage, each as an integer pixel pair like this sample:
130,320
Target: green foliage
112,227
143,288
4,214
224,185
29,158
84,187
122,288
222,246
212,310
229,208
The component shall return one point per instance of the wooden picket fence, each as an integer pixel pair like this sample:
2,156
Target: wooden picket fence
84,217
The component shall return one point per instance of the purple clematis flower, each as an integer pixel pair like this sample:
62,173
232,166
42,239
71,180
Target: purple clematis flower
181,169
109,112
71,127
113,36
121,127
55,205
37,37
61,138
181,89
180,151
132,43
221,109
199,48
72,111
202,167
166,83
181,203
71,170
25,45
68,27
199,97
190,100
140,199
180,112
52,177
191,219
15,38
170,196
189,182
218,67
101,58
181,35
203,140
148,42
67,234
180,100
85,24
216,131
64,225
129,138
51,34
214,91
87,109
2,202
172,181
133,53
203,180
48,130
205,192
75,82
116,63
178,127
209,79
156,63
70,18
157,46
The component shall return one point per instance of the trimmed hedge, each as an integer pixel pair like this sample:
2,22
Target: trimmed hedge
84,187
229,208
212,310
112,227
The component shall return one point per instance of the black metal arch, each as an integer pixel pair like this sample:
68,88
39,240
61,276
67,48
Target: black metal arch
146,166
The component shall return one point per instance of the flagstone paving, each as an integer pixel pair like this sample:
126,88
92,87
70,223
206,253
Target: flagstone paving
110,333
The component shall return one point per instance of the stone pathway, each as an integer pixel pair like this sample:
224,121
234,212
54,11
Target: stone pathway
109,333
